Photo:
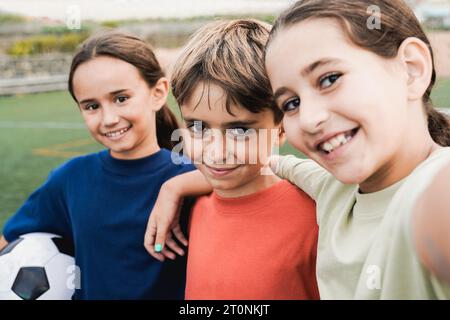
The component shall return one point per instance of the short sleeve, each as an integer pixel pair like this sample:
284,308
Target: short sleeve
44,211
305,174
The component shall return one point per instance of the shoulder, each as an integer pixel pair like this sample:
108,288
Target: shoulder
423,175
75,166
177,164
429,220
290,192
202,202
422,208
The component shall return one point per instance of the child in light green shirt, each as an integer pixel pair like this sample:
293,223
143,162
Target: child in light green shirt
356,100
366,248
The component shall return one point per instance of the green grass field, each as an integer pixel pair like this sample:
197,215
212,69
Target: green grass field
32,144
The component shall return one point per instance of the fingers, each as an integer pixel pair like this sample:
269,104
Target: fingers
149,241
174,246
161,246
273,162
162,231
179,235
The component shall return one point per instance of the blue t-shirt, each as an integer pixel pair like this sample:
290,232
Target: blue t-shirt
103,205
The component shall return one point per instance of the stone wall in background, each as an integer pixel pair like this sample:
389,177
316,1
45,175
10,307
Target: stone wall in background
43,65
49,72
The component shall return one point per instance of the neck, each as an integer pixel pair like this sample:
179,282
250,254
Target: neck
259,183
133,155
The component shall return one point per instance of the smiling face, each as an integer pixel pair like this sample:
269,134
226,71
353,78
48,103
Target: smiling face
118,106
229,150
345,107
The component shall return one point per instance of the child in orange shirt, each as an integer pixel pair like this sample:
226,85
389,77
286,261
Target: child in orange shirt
255,236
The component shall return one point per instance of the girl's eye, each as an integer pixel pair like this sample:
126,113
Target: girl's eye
291,104
91,106
329,80
121,99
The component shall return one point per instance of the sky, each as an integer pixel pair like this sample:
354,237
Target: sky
101,10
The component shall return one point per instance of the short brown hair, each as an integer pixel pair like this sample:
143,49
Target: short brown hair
229,54
398,23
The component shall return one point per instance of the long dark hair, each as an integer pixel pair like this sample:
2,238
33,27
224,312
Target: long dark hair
398,23
137,52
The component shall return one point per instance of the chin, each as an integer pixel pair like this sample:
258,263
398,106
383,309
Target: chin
349,176
222,185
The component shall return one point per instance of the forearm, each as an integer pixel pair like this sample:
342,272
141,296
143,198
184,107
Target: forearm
188,184
432,226
286,167
3,242
305,174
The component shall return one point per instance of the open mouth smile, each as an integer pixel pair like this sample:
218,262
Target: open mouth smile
332,144
117,134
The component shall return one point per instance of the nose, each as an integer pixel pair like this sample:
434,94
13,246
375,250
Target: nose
313,115
110,116
215,148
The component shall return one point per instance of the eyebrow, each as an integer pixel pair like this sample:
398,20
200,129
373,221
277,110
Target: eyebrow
226,124
279,92
113,93
306,72
313,66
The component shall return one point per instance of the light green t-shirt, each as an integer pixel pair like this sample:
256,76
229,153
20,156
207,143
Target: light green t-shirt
365,248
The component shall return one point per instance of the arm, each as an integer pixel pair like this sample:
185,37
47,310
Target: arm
3,243
305,174
431,225
45,210
165,214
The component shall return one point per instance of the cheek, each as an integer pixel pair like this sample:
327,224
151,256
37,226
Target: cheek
293,133
92,122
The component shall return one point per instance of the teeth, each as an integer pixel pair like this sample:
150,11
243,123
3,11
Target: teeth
327,147
116,133
336,142
342,139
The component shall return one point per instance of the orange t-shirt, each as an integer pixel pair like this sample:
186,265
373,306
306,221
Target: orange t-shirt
261,246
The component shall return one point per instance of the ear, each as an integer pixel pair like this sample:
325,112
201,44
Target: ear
281,136
416,59
159,93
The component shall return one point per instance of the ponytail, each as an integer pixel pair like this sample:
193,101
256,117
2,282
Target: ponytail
166,123
438,126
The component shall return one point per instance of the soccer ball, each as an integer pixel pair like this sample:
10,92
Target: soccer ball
37,266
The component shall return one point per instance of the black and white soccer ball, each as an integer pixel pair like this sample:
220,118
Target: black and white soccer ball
37,266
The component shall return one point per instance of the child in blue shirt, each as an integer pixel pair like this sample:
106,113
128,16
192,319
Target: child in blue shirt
102,201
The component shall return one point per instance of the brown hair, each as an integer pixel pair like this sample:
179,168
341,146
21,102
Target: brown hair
229,54
138,53
398,23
